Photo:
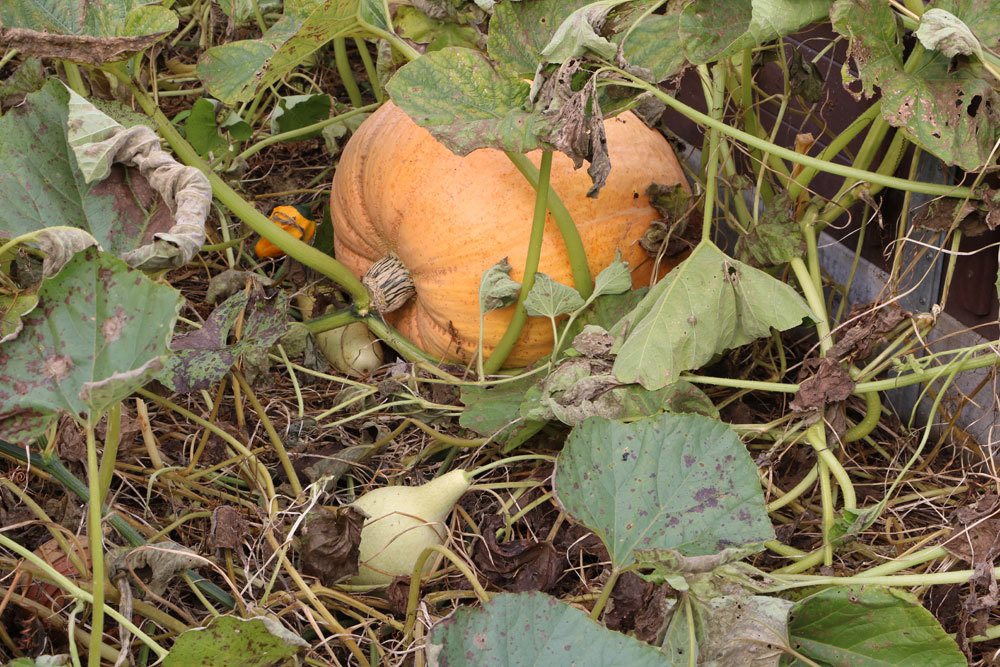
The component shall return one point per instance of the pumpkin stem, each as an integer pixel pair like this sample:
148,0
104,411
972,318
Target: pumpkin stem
389,283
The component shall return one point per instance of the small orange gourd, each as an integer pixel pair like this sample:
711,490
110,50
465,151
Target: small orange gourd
424,224
294,220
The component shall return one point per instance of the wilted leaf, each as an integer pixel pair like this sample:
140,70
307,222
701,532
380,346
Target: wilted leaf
869,626
821,382
577,34
227,640
12,308
548,632
775,239
331,543
91,32
201,358
416,26
708,304
152,566
100,331
493,411
517,565
228,529
497,289
682,482
676,231
466,102
27,78
549,298
940,30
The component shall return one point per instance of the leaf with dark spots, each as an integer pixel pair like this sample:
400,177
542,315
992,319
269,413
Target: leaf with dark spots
518,565
653,484
228,640
89,32
775,238
331,543
520,30
676,231
532,629
202,357
821,382
100,331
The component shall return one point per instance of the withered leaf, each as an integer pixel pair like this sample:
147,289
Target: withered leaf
330,543
821,382
152,566
674,231
869,324
516,565
228,528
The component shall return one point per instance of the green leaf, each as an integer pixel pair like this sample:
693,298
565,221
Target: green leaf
27,78
296,111
227,640
716,29
234,72
90,32
237,128
533,629
100,331
520,30
682,482
549,298
496,288
242,11
870,626
615,278
657,44
42,186
951,109
12,309
201,130
708,304
466,102
418,27
493,412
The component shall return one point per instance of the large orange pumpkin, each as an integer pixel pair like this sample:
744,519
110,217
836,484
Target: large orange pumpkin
399,192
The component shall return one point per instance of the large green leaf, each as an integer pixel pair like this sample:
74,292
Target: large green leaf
709,303
234,72
533,629
950,108
466,102
520,30
99,331
92,32
873,627
657,44
682,482
42,186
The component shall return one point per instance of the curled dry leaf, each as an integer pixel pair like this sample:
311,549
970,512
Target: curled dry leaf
228,528
518,565
869,324
821,382
152,566
331,543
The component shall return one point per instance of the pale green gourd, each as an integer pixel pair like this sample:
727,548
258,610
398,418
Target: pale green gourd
402,522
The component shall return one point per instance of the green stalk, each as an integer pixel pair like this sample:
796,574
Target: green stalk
96,541
837,144
334,320
370,70
520,317
903,184
345,72
712,168
74,79
302,131
582,280
110,456
245,211
816,303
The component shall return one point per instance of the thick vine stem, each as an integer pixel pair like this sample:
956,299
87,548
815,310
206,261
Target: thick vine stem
692,114
712,168
520,317
582,280
245,211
